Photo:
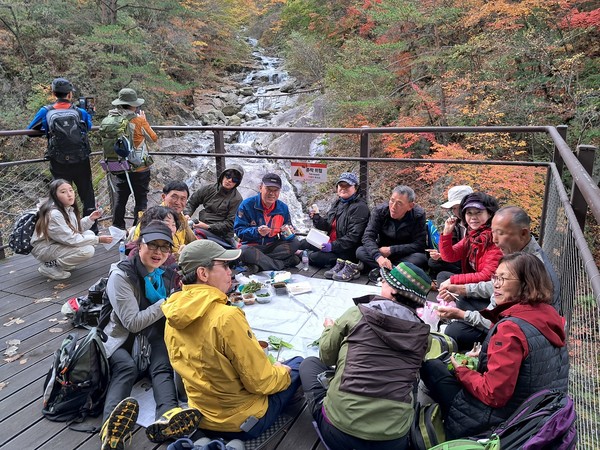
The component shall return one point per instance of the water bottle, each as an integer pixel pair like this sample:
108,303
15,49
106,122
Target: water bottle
305,260
122,256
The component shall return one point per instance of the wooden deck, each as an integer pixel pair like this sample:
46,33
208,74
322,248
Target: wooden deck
30,313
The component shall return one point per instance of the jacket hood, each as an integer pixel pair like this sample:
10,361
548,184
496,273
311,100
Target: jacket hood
395,324
235,167
542,316
191,303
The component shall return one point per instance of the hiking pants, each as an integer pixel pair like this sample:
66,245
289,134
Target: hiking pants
67,256
140,182
276,256
318,258
124,374
333,438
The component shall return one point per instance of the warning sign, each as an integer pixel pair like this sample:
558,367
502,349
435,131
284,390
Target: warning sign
302,171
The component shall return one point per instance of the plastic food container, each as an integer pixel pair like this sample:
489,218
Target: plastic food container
249,299
280,288
317,238
263,296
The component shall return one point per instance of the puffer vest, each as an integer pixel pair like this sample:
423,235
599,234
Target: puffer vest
546,367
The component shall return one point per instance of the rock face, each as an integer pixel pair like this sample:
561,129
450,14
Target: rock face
256,102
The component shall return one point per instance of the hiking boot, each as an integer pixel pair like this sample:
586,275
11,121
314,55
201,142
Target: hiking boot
350,272
53,271
339,265
175,423
375,275
119,424
292,261
251,269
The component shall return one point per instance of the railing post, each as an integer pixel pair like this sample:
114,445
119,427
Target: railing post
585,155
364,165
219,150
2,254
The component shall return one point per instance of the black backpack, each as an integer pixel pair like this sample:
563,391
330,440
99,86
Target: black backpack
67,135
77,382
20,237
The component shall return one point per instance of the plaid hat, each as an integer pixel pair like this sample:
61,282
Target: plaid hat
272,179
155,231
456,194
348,177
129,97
411,281
203,252
62,86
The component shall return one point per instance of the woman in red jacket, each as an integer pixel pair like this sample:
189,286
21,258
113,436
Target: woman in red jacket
476,252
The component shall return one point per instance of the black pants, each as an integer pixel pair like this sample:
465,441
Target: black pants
140,182
465,334
418,259
276,256
318,258
79,174
335,439
443,386
124,374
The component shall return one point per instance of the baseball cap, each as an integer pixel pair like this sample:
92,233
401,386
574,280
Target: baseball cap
409,280
62,86
348,177
272,179
456,194
155,231
203,252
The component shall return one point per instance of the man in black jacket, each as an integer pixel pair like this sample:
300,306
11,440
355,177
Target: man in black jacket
396,233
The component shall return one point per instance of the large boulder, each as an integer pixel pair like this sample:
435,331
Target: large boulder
230,110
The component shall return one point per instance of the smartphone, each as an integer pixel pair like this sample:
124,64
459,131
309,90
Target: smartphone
248,424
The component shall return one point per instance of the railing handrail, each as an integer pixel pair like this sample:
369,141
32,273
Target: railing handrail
589,190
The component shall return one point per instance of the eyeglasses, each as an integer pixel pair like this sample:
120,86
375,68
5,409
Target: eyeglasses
499,280
163,248
232,177
225,264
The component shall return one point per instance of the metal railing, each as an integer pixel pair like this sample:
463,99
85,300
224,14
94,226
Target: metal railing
561,234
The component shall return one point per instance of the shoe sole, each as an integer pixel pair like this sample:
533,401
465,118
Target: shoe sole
120,424
180,425
354,277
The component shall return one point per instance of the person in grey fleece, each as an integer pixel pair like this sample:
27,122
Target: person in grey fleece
511,231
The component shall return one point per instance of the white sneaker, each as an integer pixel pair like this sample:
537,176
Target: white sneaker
53,272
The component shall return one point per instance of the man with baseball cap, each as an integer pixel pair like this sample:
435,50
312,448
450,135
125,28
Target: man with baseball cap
136,181
377,348
435,262
68,153
226,374
265,228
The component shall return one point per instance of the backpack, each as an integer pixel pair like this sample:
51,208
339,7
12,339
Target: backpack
116,132
77,381
441,345
20,236
468,444
427,429
433,235
67,135
545,421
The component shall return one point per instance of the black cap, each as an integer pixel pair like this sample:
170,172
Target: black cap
62,86
272,179
155,231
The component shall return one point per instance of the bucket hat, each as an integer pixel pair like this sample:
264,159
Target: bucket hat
456,194
129,97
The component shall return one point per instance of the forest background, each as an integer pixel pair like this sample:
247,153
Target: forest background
378,62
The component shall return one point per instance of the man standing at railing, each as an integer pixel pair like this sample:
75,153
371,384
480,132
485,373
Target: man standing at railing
66,127
264,226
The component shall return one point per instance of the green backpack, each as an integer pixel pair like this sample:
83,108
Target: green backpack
427,429
441,344
466,444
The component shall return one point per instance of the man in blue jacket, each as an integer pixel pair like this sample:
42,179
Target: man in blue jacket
68,154
265,229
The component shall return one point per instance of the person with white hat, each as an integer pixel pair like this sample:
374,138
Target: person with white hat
435,262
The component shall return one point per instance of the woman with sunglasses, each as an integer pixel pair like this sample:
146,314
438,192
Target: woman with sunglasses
220,202
523,353
136,288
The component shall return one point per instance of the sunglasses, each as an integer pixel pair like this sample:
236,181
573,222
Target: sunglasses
232,177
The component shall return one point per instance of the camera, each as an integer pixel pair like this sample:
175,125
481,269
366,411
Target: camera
89,104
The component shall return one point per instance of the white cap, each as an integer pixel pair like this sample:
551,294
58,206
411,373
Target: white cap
456,194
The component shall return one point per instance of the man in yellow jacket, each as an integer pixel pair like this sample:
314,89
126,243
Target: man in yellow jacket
226,374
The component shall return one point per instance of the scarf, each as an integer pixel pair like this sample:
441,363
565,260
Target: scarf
155,286
477,240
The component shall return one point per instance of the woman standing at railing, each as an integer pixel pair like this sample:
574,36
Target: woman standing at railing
61,240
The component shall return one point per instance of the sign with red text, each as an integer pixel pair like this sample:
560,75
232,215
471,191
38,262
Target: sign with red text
302,171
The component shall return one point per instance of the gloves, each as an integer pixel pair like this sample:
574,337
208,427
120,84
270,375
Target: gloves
326,248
